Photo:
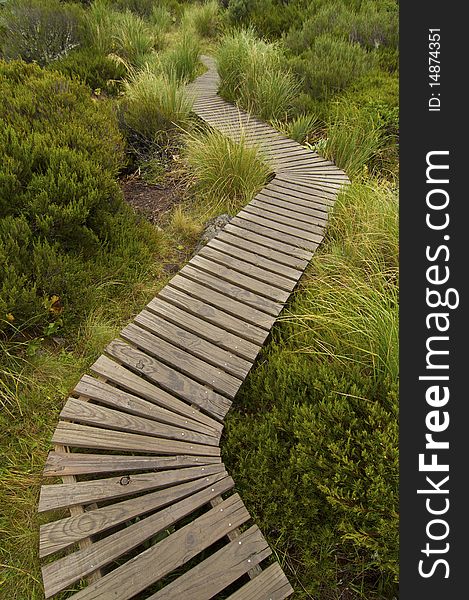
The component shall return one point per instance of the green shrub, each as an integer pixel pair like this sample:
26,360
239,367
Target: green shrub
330,65
39,30
371,24
142,8
270,18
98,71
155,106
64,228
252,73
226,174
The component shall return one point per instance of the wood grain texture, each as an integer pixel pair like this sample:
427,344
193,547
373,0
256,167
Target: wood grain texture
270,584
60,534
182,361
96,390
218,571
62,495
170,380
60,464
222,338
132,382
69,569
164,557
195,344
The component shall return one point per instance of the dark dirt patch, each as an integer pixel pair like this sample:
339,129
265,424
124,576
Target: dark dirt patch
152,200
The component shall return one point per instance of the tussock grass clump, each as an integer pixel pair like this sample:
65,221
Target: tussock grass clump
155,106
299,128
349,305
133,38
253,74
227,174
204,18
125,34
182,60
354,138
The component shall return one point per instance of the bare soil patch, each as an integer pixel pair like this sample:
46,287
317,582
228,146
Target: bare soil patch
152,201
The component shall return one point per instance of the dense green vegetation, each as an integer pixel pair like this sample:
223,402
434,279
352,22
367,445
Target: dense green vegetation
93,91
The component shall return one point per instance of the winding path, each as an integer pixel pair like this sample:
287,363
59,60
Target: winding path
152,513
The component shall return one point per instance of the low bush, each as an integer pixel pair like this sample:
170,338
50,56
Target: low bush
331,65
64,229
253,74
39,30
370,23
96,70
226,174
270,18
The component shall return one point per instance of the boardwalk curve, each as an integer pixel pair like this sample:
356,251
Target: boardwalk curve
137,444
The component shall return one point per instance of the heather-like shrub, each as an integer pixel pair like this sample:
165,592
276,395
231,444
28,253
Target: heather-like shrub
330,65
98,71
64,228
39,30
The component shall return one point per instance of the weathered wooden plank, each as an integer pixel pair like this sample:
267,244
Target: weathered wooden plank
270,584
235,260
230,290
284,253
63,533
293,183
195,344
213,315
218,571
300,192
128,380
286,209
229,304
176,383
264,212
296,204
182,361
62,495
94,389
256,257
177,549
222,338
91,414
65,571
60,464
276,235
292,235
232,270
83,436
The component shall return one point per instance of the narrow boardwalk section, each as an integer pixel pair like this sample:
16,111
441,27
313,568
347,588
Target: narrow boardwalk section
151,508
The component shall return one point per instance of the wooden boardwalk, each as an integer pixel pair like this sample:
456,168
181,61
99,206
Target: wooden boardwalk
152,513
